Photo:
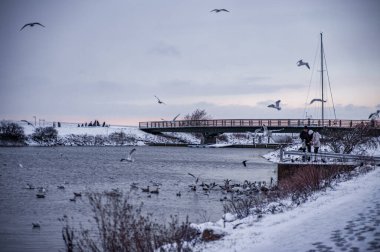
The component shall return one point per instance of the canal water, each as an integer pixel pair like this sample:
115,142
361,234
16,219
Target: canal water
96,169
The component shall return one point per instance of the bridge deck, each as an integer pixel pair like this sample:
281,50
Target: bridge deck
243,125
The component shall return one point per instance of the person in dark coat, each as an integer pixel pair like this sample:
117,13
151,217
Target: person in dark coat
306,141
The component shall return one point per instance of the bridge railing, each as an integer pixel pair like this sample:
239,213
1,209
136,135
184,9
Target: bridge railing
256,123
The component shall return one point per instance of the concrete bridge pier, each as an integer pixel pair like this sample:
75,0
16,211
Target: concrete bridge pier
209,138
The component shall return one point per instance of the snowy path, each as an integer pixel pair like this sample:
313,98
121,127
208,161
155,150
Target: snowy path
344,219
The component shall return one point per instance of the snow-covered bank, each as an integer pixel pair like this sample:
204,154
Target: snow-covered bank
344,218
71,134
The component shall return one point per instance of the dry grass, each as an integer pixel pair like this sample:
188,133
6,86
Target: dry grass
121,226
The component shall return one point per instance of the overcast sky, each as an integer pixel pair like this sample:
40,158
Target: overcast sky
106,60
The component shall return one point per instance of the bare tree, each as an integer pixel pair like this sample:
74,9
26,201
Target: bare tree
198,114
345,141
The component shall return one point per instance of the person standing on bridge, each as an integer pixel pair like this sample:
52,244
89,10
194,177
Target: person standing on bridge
306,142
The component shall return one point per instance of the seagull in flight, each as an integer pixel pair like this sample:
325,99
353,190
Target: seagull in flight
159,101
244,163
31,25
219,10
175,118
276,105
301,63
196,178
130,156
317,100
374,115
29,123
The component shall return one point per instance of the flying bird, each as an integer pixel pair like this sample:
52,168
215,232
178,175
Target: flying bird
196,178
317,100
301,63
276,105
244,163
29,123
130,156
374,115
219,10
159,101
175,118
31,25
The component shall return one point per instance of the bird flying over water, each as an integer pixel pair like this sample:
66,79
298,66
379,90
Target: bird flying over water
219,10
31,25
29,123
374,115
196,178
301,63
130,156
276,105
159,101
317,100
244,163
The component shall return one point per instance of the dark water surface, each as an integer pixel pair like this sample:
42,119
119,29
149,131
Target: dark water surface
86,169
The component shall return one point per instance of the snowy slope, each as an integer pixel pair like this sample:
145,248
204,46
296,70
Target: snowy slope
344,219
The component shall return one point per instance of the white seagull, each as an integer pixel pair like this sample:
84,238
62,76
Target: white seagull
317,100
301,63
375,115
175,118
27,122
159,101
130,156
276,105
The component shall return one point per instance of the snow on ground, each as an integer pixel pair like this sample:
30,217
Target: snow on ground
346,218
68,129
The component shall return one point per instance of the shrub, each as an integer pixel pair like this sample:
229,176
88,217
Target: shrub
47,135
118,137
11,133
341,141
120,226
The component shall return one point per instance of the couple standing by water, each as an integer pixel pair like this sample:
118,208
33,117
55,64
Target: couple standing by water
310,138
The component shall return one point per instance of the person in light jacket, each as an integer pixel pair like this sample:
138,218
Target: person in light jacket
315,141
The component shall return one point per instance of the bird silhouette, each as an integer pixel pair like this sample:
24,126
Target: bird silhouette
317,100
29,123
159,101
245,163
374,115
196,178
276,105
31,25
130,156
301,63
36,225
219,10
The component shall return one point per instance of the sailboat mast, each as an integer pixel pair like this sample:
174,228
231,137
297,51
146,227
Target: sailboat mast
323,115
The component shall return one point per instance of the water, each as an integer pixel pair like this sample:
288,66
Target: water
87,169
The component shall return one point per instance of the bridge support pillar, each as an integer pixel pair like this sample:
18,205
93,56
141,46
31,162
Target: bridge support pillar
208,138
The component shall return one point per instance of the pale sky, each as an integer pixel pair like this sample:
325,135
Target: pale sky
106,60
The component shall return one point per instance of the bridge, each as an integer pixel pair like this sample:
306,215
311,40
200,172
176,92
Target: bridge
211,128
